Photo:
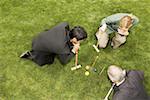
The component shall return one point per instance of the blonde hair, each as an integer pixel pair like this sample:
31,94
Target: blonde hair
125,22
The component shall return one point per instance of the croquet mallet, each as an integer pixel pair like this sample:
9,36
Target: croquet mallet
96,47
99,32
109,92
93,64
76,62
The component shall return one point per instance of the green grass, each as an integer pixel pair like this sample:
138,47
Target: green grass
21,20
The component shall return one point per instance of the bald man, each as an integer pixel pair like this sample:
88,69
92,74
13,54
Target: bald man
128,84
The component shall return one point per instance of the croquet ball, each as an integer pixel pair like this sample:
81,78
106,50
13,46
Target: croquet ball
87,67
87,73
94,69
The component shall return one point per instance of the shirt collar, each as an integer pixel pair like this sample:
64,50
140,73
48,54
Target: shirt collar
117,84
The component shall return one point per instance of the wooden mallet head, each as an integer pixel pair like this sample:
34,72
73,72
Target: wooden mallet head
96,47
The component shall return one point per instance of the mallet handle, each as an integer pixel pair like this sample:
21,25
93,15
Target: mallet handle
97,44
94,61
106,98
102,71
76,60
96,47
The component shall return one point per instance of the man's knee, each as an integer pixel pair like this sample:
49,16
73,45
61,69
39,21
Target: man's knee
63,61
41,58
117,41
103,40
103,43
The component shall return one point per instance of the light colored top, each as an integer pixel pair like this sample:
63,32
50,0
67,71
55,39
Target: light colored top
112,21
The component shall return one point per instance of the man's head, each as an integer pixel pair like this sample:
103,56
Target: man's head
78,33
125,22
124,25
116,74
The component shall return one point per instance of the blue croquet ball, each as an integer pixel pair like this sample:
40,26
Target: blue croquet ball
94,69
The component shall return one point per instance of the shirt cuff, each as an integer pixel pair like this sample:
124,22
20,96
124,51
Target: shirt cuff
73,51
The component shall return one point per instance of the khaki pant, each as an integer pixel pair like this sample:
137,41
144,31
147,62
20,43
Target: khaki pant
118,40
103,38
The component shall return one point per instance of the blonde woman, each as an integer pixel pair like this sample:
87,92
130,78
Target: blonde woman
119,24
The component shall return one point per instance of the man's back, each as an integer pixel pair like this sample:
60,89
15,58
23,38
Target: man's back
53,40
132,88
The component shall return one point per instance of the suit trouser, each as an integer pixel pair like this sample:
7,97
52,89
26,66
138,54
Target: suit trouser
42,58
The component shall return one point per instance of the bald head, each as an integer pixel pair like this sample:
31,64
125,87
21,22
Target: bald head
115,73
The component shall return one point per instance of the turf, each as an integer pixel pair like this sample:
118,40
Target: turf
21,20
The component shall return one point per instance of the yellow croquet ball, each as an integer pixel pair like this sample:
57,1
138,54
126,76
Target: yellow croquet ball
87,67
87,73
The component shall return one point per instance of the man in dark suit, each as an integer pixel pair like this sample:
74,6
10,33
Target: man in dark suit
128,84
58,41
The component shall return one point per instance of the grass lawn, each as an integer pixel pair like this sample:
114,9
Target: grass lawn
21,20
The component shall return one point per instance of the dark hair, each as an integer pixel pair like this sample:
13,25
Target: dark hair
78,32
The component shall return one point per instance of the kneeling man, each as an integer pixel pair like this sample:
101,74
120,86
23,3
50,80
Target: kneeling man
119,24
59,41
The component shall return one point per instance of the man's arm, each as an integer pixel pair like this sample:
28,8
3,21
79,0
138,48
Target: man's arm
134,18
113,18
137,75
65,58
141,74
120,95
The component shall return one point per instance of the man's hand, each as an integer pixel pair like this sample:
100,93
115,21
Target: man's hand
103,28
76,47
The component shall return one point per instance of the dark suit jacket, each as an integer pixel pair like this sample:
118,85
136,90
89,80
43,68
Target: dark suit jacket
132,88
54,40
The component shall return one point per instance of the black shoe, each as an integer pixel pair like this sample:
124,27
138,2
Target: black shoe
26,54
